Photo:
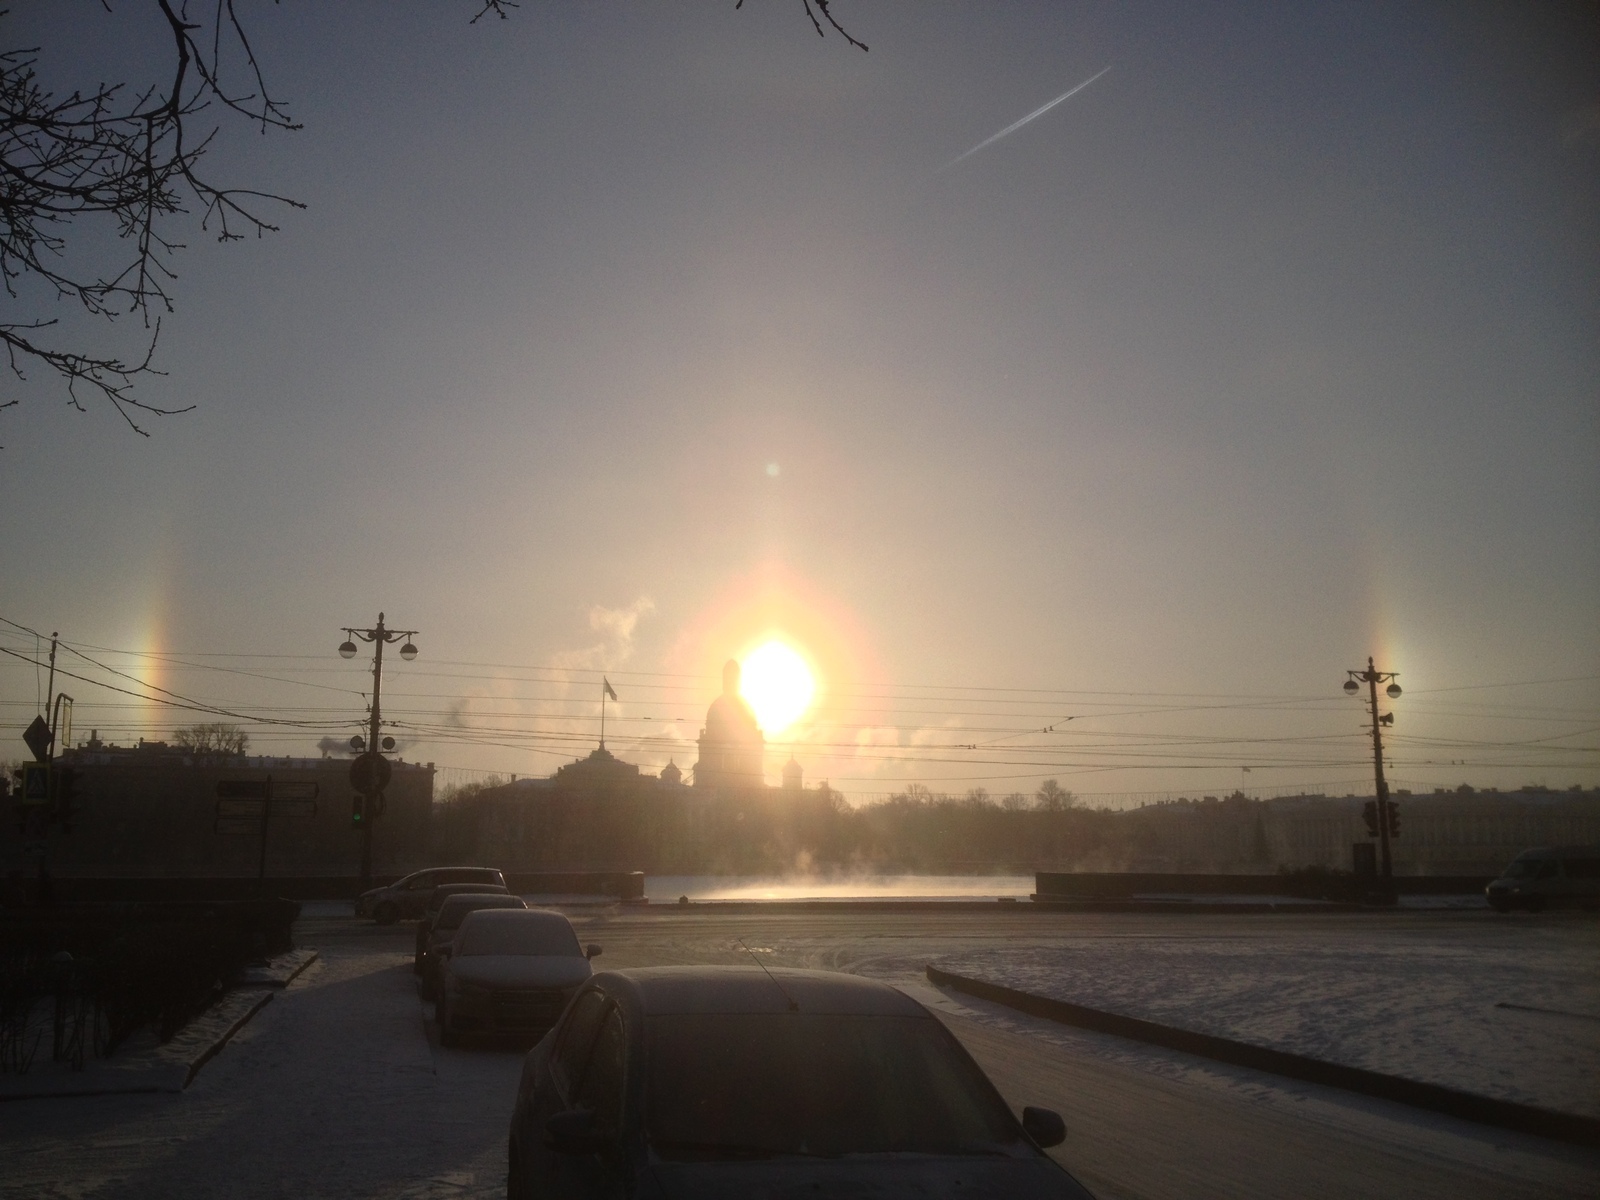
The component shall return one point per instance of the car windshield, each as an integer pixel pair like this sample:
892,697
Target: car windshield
455,911
763,1085
524,935
1524,868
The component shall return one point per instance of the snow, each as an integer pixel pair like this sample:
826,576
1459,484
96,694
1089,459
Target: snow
1427,1005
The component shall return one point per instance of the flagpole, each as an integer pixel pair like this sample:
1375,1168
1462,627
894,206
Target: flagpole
603,690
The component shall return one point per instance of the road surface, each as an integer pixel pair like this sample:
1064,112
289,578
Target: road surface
340,1089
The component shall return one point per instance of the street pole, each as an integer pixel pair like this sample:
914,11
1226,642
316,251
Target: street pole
380,636
49,697
1385,863
1372,677
372,744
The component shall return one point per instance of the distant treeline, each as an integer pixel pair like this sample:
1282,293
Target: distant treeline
679,830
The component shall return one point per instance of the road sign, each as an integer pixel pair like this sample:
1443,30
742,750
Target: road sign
36,783
370,772
242,789
37,735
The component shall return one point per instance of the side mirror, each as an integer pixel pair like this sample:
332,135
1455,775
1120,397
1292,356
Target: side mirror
591,951
573,1132
1046,1128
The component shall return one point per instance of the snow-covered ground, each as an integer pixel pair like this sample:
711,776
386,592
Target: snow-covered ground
1512,1012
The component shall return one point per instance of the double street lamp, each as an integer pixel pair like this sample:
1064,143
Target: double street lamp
370,771
1386,813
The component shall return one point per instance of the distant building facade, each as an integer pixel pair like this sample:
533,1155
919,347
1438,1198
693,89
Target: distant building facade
151,811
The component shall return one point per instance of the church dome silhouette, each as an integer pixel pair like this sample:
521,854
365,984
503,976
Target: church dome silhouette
731,744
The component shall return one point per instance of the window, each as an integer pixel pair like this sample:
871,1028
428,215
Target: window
577,1036
601,1088
519,933
761,1085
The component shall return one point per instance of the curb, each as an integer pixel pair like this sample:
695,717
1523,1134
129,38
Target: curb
1468,1106
216,1046
173,1067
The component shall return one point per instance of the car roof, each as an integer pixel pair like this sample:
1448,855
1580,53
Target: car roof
480,900
488,916
659,991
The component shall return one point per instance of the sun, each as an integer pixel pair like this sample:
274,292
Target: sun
777,683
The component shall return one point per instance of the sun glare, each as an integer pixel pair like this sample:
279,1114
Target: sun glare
777,683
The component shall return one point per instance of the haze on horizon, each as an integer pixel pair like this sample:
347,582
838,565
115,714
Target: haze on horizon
619,339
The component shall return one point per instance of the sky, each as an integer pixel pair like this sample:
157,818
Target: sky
617,339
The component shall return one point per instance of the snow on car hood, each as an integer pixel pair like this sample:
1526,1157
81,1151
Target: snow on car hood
867,1178
521,970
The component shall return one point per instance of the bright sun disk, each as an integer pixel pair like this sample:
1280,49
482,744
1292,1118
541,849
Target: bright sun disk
777,683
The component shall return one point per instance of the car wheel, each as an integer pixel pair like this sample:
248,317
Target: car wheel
388,913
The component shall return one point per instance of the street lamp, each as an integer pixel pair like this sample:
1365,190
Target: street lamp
1387,812
371,769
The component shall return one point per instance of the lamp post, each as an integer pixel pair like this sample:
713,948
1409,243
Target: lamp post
366,769
1372,677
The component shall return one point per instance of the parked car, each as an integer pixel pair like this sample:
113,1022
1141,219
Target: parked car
409,896
439,895
447,921
739,1081
1548,878
509,972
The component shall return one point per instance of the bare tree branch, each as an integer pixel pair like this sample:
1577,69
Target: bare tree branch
131,160
821,6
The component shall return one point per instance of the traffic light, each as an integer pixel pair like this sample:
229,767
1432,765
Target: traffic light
358,811
66,781
1369,814
1394,819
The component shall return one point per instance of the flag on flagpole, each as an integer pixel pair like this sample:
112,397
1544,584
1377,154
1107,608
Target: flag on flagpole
610,691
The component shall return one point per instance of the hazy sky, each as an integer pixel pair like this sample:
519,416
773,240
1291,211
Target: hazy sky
616,335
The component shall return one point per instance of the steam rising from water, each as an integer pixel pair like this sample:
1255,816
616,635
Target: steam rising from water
667,888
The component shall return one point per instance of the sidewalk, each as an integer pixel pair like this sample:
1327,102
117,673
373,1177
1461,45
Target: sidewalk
141,1064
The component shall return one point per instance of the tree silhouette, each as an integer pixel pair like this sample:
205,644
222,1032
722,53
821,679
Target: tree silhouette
129,156
213,738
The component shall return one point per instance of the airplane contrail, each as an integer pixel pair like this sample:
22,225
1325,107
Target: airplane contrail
1016,125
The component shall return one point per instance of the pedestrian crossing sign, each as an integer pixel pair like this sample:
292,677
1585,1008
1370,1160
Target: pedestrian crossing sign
36,783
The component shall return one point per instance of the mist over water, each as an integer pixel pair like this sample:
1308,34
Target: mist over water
661,889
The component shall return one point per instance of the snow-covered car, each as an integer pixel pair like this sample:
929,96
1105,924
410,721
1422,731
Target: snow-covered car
1548,878
436,901
510,971
408,897
740,1081
446,923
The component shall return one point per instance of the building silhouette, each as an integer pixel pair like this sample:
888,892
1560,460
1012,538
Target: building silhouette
731,744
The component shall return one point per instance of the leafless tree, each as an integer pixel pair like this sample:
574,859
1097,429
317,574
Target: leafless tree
216,737
1052,797
130,155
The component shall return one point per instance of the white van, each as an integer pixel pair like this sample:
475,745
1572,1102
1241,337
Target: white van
1549,878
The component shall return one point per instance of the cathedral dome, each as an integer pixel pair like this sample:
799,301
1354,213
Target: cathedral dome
731,743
